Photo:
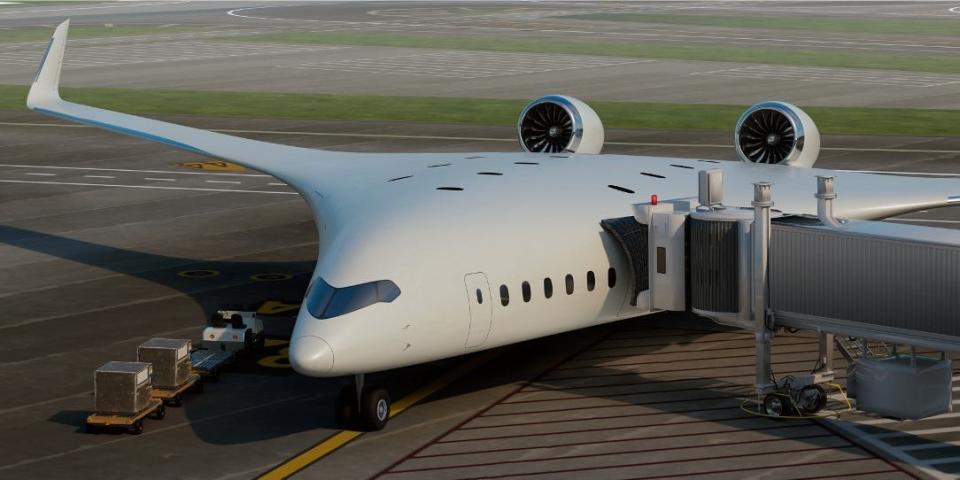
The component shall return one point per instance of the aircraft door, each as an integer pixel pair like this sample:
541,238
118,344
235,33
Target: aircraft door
481,308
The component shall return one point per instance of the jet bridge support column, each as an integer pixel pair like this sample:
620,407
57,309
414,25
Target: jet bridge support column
761,244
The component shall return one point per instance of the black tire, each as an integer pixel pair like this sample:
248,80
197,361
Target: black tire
198,387
137,427
94,429
811,399
160,412
176,401
375,409
776,405
261,343
214,376
345,410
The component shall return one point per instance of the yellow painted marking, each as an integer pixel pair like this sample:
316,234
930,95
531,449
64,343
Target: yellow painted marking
213,165
270,277
198,273
344,437
273,342
280,360
273,307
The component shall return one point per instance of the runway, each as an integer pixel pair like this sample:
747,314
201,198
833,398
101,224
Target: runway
212,59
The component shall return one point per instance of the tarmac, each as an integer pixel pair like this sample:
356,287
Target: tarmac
92,266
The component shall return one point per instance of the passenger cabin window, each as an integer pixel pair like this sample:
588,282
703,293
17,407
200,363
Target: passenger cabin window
547,287
591,281
612,277
326,301
479,297
525,288
568,280
504,295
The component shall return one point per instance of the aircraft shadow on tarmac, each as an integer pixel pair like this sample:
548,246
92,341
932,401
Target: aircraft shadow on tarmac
271,402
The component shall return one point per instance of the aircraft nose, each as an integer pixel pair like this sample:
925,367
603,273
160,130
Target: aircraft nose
311,356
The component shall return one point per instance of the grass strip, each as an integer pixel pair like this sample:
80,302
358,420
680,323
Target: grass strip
627,115
630,48
42,34
880,26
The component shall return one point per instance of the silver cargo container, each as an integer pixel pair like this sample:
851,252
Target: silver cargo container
122,388
170,359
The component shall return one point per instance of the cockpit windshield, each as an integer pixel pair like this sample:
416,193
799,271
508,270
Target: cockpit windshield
326,301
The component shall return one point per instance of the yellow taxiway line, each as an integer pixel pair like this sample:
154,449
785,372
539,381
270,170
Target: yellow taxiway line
328,446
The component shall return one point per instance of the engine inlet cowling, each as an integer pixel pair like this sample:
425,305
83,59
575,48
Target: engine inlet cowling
777,133
557,123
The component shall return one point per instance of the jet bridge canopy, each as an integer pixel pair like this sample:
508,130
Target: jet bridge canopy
881,280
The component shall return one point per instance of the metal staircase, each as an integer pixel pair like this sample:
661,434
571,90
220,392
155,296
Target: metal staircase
853,348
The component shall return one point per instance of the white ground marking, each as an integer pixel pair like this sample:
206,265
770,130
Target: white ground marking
47,10
98,176
954,10
855,76
475,139
37,174
160,179
172,172
467,64
875,440
148,187
222,181
135,53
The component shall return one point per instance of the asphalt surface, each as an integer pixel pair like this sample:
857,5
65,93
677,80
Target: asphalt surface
92,266
198,61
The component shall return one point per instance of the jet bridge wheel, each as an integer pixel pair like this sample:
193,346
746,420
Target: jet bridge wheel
811,399
776,405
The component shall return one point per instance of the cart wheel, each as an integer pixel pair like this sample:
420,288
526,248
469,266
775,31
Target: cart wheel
214,375
775,406
811,399
160,412
95,429
137,427
176,401
198,387
375,409
345,409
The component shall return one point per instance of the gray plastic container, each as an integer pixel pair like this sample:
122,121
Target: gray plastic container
170,359
122,388
903,386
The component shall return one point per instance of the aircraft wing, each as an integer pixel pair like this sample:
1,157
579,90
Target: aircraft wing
282,161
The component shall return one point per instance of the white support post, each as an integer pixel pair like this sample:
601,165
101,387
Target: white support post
761,244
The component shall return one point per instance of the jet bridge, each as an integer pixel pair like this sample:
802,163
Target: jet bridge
754,268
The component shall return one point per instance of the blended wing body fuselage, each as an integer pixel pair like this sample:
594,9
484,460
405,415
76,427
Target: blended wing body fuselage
428,256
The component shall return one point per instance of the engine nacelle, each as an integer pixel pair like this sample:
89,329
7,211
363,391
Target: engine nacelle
777,133
557,123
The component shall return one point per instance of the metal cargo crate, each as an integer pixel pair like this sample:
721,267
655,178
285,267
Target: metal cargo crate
122,388
170,359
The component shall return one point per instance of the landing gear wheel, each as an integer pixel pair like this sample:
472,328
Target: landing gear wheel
811,399
375,409
775,405
346,408
160,412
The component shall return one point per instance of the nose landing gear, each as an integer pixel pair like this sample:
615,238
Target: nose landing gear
359,406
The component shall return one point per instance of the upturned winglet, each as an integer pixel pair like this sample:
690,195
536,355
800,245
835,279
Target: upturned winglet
46,83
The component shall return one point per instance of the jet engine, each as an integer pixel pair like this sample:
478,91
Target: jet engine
777,133
557,123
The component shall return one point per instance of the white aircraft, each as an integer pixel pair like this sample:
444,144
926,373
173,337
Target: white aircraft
429,256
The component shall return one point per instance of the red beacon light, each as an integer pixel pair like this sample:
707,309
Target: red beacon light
653,200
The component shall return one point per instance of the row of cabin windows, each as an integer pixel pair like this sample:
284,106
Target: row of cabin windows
568,280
